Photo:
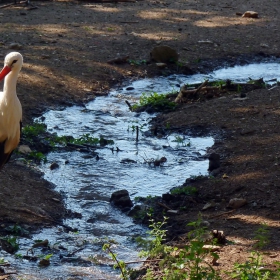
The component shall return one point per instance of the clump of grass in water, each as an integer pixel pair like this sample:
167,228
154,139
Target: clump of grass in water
37,132
159,102
29,132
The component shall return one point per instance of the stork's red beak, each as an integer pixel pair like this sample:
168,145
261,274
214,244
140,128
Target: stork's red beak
6,70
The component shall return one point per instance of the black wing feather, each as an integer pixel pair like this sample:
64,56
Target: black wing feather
4,158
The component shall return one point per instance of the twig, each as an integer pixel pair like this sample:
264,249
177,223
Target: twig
129,21
116,260
144,261
129,105
163,205
5,6
137,133
201,86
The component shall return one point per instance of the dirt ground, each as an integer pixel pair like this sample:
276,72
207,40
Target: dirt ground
66,47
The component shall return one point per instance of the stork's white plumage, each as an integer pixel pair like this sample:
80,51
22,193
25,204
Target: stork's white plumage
10,107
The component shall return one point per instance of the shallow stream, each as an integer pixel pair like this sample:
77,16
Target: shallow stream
87,182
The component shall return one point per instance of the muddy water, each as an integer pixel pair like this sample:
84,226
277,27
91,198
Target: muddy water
87,182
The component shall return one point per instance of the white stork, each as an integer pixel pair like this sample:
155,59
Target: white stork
10,107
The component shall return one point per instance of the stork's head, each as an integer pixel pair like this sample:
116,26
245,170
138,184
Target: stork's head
13,62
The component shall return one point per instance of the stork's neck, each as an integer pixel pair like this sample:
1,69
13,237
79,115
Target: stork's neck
10,85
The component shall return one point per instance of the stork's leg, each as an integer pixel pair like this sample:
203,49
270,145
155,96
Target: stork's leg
4,157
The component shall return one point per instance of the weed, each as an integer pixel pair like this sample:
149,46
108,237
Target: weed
218,83
31,131
154,247
262,236
181,140
47,257
16,230
239,88
158,102
251,269
37,156
12,242
2,261
186,190
119,264
82,140
137,62
179,264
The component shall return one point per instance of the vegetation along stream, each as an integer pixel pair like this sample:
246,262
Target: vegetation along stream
87,180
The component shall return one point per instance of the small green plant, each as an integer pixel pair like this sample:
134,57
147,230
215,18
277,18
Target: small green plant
155,100
218,83
119,264
37,156
31,131
2,261
239,88
186,190
85,139
153,247
47,257
13,243
137,62
262,236
251,269
181,140
16,230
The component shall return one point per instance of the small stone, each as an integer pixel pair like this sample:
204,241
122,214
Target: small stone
24,149
161,65
172,211
236,203
206,42
214,161
121,199
250,14
44,262
15,46
211,248
164,54
209,205
54,165
264,45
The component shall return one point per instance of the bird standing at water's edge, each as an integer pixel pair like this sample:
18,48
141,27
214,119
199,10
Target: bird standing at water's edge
10,107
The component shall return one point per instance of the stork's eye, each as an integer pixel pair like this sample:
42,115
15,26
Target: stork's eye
14,61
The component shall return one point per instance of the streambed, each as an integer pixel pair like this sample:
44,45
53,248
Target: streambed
87,183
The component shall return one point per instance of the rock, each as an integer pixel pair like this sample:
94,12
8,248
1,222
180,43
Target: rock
209,205
44,262
173,211
206,42
250,14
236,203
121,199
24,149
161,65
164,54
211,248
214,161
15,46
168,197
54,165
